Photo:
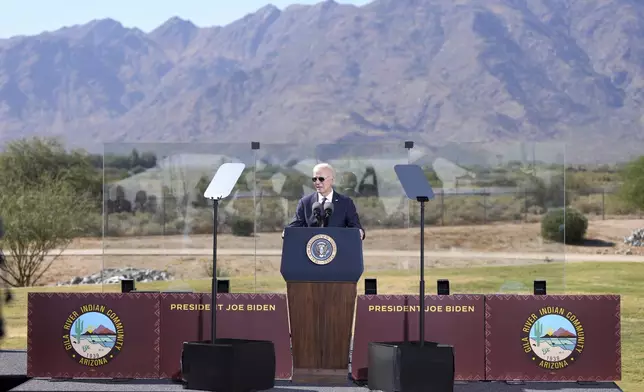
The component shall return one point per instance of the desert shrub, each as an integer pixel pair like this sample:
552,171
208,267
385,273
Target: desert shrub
588,206
242,227
94,224
201,221
270,214
373,212
469,210
222,271
616,205
547,194
536,210
564,222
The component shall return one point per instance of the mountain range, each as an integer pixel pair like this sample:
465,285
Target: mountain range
432,71
560,333
101,330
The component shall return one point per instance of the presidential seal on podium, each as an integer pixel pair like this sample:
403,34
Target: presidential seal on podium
321,249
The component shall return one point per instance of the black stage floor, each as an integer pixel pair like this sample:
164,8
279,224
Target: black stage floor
13,368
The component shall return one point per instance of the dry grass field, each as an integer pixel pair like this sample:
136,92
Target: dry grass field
604,237
517,237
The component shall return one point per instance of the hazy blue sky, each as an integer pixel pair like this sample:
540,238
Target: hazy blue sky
28,17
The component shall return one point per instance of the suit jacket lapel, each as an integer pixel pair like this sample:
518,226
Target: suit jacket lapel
336,197
309,206
336,207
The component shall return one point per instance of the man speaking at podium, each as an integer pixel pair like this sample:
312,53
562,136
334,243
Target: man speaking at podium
326,207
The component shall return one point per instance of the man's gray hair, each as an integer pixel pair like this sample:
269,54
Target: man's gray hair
324,166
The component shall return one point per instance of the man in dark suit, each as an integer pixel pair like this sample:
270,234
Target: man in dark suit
344,214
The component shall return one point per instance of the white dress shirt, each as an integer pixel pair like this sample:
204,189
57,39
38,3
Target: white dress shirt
329,198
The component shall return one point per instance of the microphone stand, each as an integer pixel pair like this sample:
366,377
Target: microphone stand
325,219
318,218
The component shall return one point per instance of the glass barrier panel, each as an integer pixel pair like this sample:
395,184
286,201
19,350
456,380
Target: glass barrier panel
280,183
364,172
483,229
157,224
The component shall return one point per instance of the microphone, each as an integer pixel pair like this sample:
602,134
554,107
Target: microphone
317,212
328,211
328,208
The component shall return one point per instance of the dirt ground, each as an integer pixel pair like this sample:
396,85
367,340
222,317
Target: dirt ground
604,237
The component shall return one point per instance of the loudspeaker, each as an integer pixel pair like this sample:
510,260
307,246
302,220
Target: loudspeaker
229,365
540,287
371,286
127,285
223,286
408,367
442,287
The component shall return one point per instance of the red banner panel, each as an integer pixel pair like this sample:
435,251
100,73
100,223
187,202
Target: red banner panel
457,320
88,335
187,318
553,337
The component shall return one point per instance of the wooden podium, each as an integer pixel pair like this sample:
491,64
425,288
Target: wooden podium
321,267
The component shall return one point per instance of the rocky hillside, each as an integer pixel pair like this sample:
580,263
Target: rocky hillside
432,70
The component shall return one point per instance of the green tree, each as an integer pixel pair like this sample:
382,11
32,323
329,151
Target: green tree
40,221
31,162
632,188
200,201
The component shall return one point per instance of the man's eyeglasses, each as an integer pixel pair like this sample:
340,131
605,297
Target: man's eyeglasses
321,179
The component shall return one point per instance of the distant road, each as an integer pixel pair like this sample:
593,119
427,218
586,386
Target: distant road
447,254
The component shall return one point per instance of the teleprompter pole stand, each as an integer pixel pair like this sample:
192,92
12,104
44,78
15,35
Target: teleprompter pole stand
205,365
213,300
413,366
421,318
219,188
417,187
